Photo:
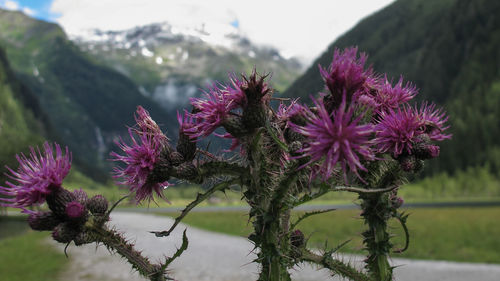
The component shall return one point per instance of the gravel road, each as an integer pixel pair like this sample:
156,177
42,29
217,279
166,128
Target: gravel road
218,257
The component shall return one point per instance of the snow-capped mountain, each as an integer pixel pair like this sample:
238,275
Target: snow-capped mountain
171,63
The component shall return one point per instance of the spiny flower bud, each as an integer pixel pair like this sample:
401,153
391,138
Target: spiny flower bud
97,205
75,210
41,221
234,125
58,200
254,116
80,196
64,233
186,171
410,163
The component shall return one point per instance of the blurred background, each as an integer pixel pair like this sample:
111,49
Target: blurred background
73,71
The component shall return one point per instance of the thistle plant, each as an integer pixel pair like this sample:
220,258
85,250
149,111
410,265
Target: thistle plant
360,135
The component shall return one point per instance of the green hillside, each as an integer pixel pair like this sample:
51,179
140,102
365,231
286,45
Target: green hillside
87,104
19,112
451,50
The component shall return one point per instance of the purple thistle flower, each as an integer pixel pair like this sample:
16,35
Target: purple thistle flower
337,138
140,159
434,120
396,130
285,113
391,97
347,74
186,122
211,111
235,93
148,126
37,176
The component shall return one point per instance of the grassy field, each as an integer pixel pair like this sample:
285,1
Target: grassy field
455,234
26,257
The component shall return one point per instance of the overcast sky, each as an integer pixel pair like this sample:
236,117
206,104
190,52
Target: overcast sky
297,28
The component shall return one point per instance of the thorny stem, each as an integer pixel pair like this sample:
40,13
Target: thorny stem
114,241
269,218
220,168
337,267
376,212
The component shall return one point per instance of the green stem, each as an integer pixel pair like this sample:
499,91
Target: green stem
114,241
335,266
272,261
376,213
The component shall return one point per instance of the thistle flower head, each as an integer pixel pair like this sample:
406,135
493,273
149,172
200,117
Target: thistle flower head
146,125
255,88
290,112
337,138
140,159
347,75
234,91
399,130
186,122
434,120
391,97
211,111
37,176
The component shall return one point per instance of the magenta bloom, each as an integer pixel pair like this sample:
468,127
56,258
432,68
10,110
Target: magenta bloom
347,73
186,122
211,111
397,131
434,120
234,92
146,125
336,138
37,176
140,159
391,97
285,112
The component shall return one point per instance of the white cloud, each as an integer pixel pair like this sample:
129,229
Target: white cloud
11,5
296,28
14,6
29,11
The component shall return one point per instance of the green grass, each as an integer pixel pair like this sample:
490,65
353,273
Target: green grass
455,234
28,258
11,226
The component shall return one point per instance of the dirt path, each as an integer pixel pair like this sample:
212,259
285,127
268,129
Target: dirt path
218,257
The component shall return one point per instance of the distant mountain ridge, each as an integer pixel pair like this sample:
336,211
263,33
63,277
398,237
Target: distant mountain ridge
87,104
451,50
170,63
88,90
